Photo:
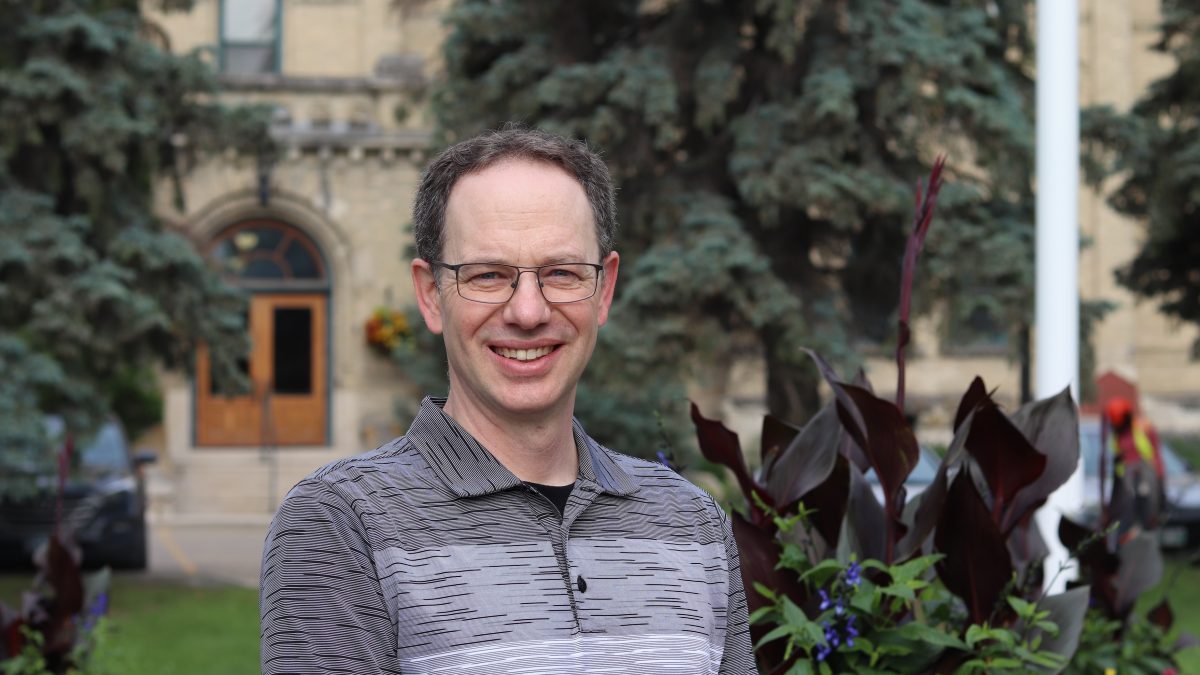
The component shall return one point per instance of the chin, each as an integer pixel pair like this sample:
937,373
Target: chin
532,403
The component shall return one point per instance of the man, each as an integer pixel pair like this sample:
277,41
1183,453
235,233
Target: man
496,536
1137,467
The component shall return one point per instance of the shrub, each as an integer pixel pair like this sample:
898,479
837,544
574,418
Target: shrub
950,581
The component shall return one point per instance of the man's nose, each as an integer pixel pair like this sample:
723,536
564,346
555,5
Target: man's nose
527,307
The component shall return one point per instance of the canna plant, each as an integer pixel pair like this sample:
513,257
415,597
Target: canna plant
948,581
55,629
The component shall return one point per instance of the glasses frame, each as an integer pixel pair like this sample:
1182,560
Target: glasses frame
521,270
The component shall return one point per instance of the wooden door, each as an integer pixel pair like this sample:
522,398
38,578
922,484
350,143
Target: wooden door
288,402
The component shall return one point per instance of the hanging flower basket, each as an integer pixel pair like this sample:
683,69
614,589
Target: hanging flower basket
387,329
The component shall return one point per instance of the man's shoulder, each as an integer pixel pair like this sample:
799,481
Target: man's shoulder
396,462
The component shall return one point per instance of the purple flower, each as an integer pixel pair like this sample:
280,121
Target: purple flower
854,574
823,652
851,631
100,606
824,600
97,609
831,635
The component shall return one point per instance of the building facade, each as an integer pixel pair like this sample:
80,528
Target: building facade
319,240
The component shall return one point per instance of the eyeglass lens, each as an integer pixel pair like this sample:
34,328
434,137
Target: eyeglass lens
566,282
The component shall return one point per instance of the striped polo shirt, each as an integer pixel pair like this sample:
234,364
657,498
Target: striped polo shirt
428,556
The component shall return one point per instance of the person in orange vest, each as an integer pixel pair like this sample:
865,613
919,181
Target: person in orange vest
1137,462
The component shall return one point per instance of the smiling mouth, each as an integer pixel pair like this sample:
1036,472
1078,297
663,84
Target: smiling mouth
524,354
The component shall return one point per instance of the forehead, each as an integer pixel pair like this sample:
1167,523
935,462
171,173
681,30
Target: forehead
519,207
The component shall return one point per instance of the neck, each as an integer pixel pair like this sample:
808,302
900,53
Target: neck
536,448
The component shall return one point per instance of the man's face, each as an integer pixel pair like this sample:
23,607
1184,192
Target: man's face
523,357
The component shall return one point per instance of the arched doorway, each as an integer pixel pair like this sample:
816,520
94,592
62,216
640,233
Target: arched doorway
288,282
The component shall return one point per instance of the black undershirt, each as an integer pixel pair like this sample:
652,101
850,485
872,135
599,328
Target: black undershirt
557,494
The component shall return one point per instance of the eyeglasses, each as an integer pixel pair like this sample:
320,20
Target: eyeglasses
494,283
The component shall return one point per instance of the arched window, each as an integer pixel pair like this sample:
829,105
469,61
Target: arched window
285,273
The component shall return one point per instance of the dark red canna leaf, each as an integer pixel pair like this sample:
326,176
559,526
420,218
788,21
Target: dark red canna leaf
1099,564
880,431
976,566
719,445
776,435
808,460
1141,568
890,444
1052,426
975,396
856,426
1004,456
1028,549
10,632
1088,548
1067,611
866,522
931,502
829,500
1161,615
759,552
61,571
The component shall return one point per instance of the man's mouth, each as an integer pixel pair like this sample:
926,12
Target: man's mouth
524,354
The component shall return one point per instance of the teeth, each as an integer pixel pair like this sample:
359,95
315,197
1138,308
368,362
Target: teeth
523,354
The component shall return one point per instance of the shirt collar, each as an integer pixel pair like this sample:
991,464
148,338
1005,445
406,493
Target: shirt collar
470,470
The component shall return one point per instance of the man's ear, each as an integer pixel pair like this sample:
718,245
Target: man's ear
429,296
609,285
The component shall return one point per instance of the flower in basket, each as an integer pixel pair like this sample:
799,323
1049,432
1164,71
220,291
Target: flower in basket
387,329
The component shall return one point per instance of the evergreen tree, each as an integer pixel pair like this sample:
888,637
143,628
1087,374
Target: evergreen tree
1155,149
94,113
766,154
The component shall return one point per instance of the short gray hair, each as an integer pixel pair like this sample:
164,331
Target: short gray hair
492,147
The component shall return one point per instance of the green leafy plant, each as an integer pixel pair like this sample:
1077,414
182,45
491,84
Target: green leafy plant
951,580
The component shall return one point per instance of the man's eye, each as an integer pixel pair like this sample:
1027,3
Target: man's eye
561,273
484,274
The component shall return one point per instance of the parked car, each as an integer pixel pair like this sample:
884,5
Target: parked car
104,501
1182,527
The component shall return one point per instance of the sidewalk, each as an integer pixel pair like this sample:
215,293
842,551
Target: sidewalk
206,552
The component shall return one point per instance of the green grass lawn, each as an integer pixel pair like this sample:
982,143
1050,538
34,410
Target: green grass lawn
160,629
1181,585
163,629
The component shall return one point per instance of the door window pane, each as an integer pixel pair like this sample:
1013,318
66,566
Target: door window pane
302,263
293,355
263,268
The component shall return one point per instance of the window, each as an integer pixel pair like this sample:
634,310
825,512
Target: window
250,36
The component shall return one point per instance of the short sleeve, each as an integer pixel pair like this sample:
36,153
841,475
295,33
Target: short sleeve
738,655
321,606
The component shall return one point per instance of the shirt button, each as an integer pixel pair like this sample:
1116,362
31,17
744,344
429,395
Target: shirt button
581,584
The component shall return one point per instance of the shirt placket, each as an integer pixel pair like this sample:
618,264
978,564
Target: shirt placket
559,529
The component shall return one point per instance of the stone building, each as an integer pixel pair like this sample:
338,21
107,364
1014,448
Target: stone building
319,240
